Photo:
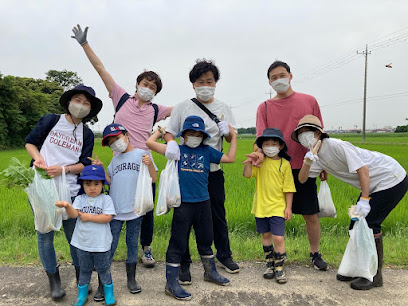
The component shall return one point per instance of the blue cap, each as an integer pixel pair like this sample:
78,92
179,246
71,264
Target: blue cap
113,129
194,123
93,173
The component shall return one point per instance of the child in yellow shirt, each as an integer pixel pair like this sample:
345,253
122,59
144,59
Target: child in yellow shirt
273,197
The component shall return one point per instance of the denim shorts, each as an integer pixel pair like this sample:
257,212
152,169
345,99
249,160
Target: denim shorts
274,225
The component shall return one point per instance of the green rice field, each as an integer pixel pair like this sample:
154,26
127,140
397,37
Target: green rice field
18,244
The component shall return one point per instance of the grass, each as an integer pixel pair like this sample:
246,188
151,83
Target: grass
18,243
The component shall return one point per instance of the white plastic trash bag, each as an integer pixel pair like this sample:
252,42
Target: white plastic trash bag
173,197
326,205
63,190
161,206
43,194
360,258
144,196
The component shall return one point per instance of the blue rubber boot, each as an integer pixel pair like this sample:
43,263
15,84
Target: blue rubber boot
211,274
109,297
82,295
173,287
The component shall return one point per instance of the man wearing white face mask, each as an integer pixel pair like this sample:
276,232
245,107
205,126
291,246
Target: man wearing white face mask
138,115
204,76
284,111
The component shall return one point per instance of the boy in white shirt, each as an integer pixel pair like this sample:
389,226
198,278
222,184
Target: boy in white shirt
122,174
92,236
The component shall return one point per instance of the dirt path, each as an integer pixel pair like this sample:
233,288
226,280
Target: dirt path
306,286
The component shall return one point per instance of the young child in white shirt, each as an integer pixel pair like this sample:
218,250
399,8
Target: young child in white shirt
92,236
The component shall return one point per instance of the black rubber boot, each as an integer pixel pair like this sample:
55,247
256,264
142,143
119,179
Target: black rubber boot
270,262
279,271
210,272
57,292
184,274
363,283
99,294
77,272
132,284
173,287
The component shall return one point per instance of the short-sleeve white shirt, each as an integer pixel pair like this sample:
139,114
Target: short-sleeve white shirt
188,108
342,160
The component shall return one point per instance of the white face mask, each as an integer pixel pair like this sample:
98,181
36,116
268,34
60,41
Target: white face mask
193,141
271,151
306,138
280,85
78,110
205,93
146,94
119,145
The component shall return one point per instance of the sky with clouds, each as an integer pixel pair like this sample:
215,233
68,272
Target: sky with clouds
318,39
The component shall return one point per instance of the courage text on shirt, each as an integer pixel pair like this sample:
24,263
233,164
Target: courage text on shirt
126,166
91,210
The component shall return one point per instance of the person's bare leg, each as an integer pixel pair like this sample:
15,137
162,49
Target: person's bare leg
313,231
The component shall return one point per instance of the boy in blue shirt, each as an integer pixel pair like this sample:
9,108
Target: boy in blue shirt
92,236
195,209
122,174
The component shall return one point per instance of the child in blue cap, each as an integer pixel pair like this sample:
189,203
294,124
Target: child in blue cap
92,236
195,209
122,174
273,197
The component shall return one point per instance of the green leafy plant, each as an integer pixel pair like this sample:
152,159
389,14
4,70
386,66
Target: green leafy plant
18,175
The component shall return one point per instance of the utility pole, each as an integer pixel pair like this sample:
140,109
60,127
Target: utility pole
365,53
269,93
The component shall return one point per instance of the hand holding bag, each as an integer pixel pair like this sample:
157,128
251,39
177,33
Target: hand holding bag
42,194
326,205
144,196
360,258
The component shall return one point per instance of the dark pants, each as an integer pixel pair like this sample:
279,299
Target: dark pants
89,260
382,203
220,227
197,215
146,230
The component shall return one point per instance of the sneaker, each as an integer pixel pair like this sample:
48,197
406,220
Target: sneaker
147,257
229,265
318,262
269,271
184,274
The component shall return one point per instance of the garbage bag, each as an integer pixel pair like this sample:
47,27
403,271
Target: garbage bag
42,194
173,196
360,258
144,196
326,205
63,190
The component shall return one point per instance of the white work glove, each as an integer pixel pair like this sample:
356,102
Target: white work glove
363,207
311,156
224,128
172,150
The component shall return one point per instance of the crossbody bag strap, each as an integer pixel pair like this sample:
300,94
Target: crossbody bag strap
206,110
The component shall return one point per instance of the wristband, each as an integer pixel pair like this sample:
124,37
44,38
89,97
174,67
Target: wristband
367,199
69,169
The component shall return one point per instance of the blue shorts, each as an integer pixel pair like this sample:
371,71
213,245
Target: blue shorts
275,225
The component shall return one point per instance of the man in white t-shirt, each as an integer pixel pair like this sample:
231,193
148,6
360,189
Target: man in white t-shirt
204,76
382,180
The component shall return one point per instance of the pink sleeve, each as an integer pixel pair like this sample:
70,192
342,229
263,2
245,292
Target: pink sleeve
116,93
163,111
316,112
261,123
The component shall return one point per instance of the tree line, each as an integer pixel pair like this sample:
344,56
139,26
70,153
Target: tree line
23,101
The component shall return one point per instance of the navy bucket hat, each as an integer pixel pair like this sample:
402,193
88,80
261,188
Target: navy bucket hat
273,133
93,173
194,123
96,103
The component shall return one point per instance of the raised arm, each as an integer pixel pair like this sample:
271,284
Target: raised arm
80,37
152,143
232,152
